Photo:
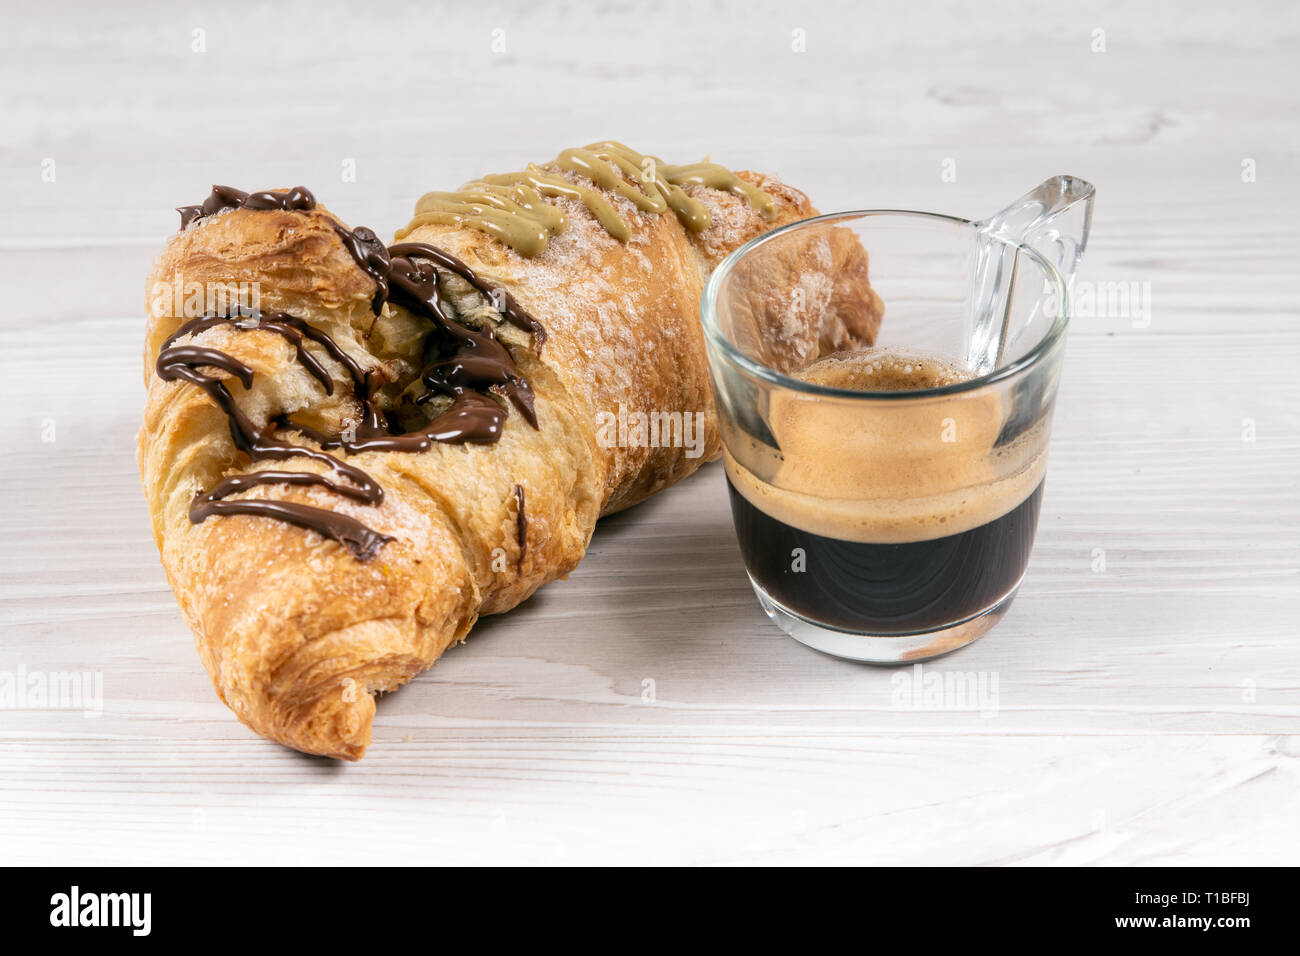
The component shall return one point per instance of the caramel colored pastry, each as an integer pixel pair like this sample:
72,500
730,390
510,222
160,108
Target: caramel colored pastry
351,451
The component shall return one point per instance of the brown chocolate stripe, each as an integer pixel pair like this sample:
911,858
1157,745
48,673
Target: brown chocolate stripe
467,365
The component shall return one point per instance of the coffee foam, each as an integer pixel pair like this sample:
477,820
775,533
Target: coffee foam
901,470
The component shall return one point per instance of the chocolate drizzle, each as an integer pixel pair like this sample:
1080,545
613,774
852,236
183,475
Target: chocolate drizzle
500,298
521,525
228,197
465,358
371,255
184,363
463,363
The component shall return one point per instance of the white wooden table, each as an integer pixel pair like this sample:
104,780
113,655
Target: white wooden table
1148,680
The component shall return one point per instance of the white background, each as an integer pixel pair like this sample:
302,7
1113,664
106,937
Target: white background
1146,713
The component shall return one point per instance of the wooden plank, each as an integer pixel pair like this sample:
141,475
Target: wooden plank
701,797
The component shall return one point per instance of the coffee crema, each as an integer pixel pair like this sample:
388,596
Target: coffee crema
907,470
898,517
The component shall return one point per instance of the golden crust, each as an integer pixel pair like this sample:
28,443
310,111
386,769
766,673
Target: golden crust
298,635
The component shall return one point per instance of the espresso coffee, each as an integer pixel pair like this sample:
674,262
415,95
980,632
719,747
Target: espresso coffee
911,516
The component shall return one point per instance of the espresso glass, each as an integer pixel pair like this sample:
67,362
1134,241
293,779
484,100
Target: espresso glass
887,525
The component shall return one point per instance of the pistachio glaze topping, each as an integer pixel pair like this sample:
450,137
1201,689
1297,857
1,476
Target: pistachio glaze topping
512,208
465,364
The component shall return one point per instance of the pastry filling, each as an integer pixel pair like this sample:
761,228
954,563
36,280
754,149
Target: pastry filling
459,395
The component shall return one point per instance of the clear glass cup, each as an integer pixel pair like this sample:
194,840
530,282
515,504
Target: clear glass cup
890,525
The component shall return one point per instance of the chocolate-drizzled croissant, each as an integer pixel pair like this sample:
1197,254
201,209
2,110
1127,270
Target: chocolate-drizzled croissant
351,451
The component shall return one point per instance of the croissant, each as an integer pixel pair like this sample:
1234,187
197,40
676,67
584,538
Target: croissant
351,451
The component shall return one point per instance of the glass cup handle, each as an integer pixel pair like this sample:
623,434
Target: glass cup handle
1054,219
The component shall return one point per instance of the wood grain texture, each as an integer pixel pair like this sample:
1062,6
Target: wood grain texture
1147,713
